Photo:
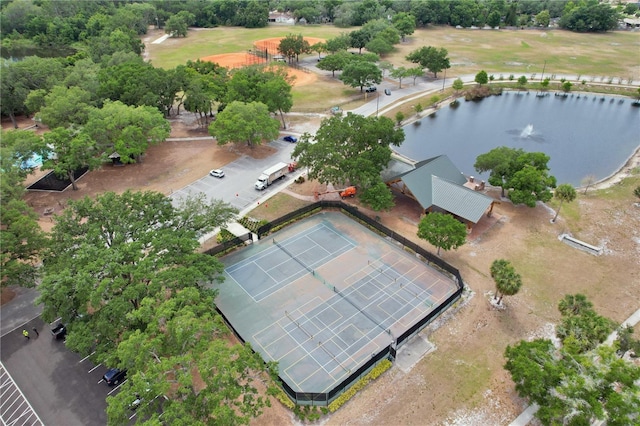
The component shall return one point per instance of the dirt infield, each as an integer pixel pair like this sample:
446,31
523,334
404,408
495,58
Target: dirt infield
271,44
243,59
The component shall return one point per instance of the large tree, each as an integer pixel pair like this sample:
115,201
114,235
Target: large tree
351,149
531,184
575,385
19,78
244,122
126,130
124,275
21,238
334,62
360,74
581,328
73,150
136,82
65,106
524,174
442,230
292,46
107,255
431,58
185,370
405,23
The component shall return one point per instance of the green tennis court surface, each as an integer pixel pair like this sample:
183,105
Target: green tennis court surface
325,295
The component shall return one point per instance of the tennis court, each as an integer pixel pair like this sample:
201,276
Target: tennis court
325,295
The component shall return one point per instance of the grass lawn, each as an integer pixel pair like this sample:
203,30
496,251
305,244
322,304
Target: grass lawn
521,52
501,53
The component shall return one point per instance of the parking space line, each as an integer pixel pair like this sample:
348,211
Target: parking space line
86,357
91,371
27,414
116,388
20,326
55,320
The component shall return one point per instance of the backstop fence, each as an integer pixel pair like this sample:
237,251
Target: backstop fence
389,352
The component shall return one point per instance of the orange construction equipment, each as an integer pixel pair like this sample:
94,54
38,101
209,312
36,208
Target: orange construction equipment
349,191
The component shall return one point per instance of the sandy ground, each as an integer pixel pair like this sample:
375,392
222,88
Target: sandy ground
238,60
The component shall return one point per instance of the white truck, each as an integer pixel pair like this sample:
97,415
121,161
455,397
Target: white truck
270,175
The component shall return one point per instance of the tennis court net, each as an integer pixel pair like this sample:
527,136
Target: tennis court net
292,256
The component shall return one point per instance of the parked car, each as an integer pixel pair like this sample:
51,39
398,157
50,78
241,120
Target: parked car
217,173
290,138
59,331
387,92
113,376
371,89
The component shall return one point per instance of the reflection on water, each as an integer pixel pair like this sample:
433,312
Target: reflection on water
583,134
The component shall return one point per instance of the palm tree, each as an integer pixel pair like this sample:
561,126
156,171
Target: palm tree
574,304
508,281
564,192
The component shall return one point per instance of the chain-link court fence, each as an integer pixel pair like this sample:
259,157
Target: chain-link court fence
330,295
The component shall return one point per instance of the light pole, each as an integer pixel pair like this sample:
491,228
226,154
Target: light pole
377,102
444,79
543,67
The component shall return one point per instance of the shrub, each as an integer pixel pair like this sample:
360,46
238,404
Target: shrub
383,366
224,236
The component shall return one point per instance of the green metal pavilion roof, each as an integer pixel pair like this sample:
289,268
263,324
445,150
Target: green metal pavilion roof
438,182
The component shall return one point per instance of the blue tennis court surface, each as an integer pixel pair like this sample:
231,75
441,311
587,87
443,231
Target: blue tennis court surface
324,296
285,262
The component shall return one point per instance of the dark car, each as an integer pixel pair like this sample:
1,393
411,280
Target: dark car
59,331
291,139
371,89
387,92
113,376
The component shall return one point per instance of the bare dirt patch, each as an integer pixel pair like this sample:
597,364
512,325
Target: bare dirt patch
239,60
271,44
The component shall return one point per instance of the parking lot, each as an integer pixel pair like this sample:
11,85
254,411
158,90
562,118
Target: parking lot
236,188
54,386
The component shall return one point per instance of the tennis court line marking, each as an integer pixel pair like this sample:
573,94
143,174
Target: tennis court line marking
301,346
278,285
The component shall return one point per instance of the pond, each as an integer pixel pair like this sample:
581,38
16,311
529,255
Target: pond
18,53
584,134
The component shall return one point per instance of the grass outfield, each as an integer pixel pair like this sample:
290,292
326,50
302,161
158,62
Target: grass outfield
503,52
612,54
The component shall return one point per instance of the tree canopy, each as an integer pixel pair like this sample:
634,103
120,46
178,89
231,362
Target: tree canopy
123,274
244,122
73,150
524,174
576,384
360,74
432,58
126,130
292,46
351,149
442,230
21,239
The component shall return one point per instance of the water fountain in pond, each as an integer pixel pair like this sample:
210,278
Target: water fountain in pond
527,131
